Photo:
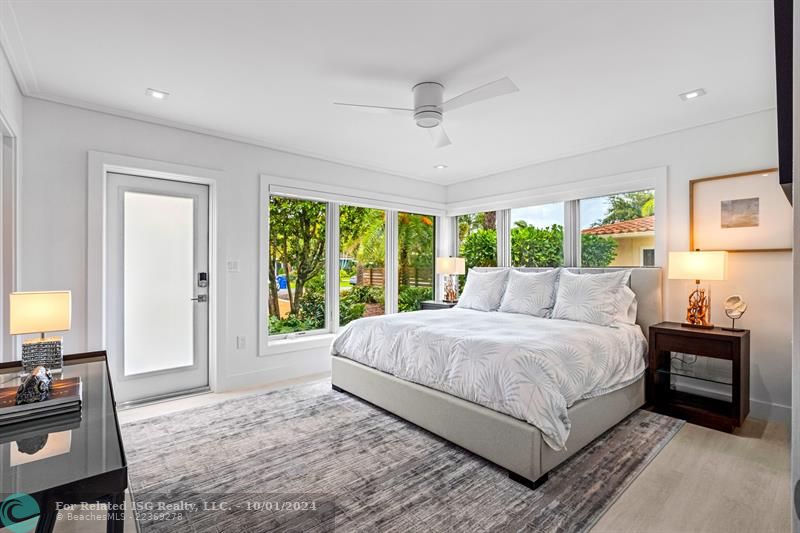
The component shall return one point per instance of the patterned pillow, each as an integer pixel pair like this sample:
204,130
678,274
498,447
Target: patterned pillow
592,298
530,293
483,290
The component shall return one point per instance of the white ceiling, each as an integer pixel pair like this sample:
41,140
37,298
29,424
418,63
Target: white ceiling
591,74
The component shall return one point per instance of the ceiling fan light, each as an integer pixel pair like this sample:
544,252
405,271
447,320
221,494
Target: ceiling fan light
428,118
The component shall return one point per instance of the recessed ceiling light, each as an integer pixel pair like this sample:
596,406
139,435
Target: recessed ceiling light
439,167
155,93
691,95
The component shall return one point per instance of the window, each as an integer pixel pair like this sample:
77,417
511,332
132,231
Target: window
648,257
618,230
362,252
537,236
416,247
477,239
297,246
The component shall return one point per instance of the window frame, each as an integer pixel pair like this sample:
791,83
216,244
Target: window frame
570,193
334,196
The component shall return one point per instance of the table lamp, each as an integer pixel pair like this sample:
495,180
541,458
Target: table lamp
450,267
697,265
40,312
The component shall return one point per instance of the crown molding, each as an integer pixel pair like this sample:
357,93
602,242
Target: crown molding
15,51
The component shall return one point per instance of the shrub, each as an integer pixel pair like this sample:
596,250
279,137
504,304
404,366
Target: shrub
410,298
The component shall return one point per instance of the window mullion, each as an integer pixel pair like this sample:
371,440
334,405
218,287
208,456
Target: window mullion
572,234
503,232
391,264
332,267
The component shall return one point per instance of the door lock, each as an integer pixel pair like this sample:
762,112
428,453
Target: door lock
200,298
202,279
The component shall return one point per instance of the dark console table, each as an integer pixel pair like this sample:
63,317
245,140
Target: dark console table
85,461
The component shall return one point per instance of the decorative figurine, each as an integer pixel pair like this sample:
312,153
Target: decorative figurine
35,387
734,309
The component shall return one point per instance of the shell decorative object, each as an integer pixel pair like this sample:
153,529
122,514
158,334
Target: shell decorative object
734,309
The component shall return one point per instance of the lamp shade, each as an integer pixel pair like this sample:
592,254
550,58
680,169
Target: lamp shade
709,266
450,265
39,312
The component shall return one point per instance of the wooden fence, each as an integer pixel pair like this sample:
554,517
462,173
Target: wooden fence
408,276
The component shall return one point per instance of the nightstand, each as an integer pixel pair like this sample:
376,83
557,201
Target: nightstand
717,343
436,304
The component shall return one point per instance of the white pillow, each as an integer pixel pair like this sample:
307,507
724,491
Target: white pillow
530,293
483,290
592,298
627,306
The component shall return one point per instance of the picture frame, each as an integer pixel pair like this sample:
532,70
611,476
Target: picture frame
742,212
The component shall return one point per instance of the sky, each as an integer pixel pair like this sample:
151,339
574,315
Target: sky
592,210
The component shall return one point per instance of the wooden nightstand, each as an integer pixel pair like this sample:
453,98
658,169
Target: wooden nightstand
733,346
436,304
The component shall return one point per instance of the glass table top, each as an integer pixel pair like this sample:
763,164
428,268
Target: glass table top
51,452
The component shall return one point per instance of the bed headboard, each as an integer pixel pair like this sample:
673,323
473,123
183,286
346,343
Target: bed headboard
645,282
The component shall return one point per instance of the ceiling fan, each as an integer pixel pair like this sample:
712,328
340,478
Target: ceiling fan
429,107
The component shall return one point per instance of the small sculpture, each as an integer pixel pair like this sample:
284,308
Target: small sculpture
698,311
734,309
35,387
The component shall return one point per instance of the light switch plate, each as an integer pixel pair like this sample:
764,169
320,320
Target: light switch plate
233,265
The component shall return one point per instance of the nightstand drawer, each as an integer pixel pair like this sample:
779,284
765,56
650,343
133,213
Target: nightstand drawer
675,343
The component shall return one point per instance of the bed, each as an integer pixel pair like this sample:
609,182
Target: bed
579,379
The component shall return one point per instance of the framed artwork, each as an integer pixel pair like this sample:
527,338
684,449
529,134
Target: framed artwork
745,212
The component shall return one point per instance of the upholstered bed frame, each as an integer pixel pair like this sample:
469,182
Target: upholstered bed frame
510,443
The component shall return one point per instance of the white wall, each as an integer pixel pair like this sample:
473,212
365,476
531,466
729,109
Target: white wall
54,218
763,279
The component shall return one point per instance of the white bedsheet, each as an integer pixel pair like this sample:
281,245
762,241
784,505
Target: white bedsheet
530,368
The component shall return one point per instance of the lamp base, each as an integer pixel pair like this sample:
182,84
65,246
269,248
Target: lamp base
48,353
698,326
451,290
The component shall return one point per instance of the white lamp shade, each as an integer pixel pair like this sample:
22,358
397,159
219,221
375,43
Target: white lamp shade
450,265
39,312
709,266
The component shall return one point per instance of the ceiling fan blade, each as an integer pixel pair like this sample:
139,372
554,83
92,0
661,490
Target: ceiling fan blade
484,92
375,108
439,137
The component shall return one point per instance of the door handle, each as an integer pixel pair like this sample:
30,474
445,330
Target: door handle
200,298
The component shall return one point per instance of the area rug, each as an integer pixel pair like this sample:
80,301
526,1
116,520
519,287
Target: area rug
311,459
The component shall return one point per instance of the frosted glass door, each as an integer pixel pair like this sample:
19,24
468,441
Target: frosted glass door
157,311
159,282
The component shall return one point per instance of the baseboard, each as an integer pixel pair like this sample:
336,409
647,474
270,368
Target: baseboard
758,408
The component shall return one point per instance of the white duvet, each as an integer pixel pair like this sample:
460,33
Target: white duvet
530,368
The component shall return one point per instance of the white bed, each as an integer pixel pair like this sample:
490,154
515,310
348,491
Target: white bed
530,368
522,391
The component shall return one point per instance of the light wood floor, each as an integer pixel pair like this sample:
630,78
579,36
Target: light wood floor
703,480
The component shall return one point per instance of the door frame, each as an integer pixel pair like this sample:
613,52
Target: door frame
100,164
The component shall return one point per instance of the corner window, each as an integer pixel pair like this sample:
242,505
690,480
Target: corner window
537,236
416,245
296,299
618,230
477,239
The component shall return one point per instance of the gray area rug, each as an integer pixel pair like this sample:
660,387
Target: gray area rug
311,459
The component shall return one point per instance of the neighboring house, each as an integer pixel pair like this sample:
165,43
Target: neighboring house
636,240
